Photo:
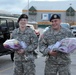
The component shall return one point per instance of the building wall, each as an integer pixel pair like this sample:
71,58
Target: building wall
38,17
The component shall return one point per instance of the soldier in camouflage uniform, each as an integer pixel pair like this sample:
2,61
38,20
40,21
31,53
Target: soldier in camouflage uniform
24,58
56,62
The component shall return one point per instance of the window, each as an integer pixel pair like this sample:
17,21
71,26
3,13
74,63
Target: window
45,16
2,22
10,24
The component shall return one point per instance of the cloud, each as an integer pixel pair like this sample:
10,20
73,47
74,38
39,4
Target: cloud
13,6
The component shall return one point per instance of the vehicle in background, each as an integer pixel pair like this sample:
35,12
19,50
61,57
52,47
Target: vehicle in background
7,24
36,30
46,29
65,25
73,29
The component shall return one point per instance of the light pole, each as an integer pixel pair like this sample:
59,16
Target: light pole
28,8
70,12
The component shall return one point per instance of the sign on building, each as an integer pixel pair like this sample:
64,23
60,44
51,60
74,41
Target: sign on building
45,16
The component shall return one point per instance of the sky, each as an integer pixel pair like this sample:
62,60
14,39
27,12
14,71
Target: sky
16,6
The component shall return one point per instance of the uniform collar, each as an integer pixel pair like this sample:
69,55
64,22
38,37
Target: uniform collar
19,31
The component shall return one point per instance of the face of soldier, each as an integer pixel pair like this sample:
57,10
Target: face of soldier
22,23
56,24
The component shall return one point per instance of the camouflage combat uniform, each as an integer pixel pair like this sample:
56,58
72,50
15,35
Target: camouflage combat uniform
24,63
61,62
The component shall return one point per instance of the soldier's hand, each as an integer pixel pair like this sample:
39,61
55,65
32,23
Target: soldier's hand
53,53
21,51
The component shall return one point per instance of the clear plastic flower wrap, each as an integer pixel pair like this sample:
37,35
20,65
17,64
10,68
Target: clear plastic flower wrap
67,45
14,44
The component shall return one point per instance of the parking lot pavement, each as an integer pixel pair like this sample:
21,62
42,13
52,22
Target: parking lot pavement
6,65
40,62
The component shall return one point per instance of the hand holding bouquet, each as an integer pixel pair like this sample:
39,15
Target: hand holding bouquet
14,44
67,45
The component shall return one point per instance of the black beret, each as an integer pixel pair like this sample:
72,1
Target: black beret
22,16
54,16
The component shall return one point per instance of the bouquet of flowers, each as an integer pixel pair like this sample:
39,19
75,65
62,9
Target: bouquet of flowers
67,45
14,44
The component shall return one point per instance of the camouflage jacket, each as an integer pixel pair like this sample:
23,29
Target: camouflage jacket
50,37
30,38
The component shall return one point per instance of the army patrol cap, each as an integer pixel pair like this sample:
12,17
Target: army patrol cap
22,16
54,16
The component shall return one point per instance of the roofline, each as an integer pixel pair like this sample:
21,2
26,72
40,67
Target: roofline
6,17
46,10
